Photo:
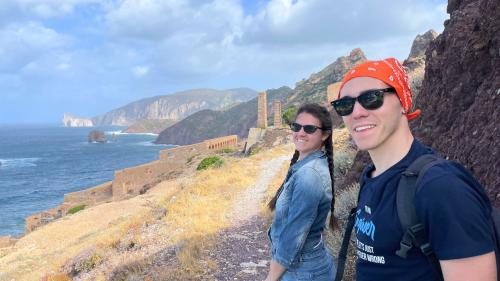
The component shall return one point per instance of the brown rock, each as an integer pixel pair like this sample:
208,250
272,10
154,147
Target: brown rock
460,96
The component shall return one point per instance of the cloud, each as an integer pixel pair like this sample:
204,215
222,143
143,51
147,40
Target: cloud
39,9
23,44
140,71
285,22
89,54
158,20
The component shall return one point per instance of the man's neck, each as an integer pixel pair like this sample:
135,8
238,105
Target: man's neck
391,152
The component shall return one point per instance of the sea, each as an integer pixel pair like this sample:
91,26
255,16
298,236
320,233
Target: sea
41,163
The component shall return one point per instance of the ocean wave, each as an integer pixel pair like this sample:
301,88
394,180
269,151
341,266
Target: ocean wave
114,132
150,143
18,162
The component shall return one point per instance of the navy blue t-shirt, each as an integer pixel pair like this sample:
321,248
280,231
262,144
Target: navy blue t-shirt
449,202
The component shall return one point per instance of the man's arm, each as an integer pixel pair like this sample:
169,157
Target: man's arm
478,268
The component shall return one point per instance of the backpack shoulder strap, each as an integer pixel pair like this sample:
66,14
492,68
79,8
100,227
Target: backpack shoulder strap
342,256
414,232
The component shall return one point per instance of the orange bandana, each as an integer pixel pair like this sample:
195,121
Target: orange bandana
393,74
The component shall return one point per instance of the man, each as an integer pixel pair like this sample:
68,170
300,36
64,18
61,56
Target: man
374,102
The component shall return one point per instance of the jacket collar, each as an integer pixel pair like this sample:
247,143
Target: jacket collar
309,158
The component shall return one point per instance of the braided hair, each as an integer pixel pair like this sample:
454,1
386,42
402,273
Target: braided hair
325,118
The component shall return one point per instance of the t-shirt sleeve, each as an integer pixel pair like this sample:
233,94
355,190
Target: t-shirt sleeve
455,214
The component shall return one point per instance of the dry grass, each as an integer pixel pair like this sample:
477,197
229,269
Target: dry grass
126,234
200,211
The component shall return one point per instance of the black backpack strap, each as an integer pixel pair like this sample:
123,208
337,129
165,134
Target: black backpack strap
345,245
414,232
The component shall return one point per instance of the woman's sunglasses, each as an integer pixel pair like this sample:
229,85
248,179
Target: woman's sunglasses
370,99
309,129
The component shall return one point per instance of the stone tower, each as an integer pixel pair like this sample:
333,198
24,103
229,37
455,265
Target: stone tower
332,92
277,113
262,111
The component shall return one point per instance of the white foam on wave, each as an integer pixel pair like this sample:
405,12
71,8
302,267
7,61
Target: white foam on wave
114,132
149,143
123,133
18,162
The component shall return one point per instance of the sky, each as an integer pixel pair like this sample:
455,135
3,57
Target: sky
88,57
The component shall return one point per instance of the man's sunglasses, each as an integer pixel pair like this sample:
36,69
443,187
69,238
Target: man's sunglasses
309,129
370,99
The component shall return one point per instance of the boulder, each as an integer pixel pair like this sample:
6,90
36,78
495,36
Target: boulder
97,136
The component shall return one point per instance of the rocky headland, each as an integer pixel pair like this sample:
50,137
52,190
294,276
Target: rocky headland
174,106
72,121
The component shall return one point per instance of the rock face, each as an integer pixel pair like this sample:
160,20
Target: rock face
73,121
174,106
314,88
210,124
97,136
460,97
154,126
415,63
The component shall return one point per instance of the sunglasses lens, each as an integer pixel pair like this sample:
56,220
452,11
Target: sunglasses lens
310,129
344,106
295,127
371,99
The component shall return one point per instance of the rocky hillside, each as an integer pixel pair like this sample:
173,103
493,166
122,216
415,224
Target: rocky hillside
72,121
154,126
174,106
313,89
210,123
415,63
460,97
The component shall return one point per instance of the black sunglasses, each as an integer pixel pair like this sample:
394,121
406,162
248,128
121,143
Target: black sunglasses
370,99
309,129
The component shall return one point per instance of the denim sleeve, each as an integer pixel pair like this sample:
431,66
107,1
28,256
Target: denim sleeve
306,194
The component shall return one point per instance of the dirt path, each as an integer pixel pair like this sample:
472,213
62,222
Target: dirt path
243,249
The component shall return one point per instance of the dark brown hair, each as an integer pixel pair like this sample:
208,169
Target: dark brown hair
325,119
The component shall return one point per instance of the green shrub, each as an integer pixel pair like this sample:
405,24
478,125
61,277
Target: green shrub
76,209
288,114
255,151
214,161
227,150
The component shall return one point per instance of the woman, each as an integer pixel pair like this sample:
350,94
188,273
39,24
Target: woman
302,202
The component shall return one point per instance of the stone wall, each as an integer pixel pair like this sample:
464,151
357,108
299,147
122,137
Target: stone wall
90,196
34,221
132,181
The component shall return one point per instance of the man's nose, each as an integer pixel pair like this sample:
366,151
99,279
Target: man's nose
359,111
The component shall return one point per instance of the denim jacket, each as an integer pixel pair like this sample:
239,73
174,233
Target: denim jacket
301,209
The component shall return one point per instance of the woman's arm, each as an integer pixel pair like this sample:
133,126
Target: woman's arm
275,271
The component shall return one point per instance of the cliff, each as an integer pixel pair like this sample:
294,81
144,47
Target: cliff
313,89
174,106
73,121
460,97
154,126
415,63
237,120
206,124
